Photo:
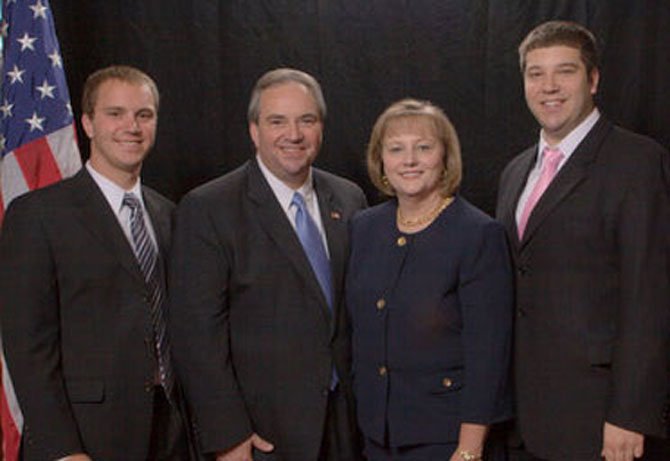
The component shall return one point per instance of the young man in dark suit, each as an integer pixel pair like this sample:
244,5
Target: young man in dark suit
586,211
259,329
82,289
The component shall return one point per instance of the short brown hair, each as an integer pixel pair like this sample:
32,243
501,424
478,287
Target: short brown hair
444,129
285,75
126,74
568,33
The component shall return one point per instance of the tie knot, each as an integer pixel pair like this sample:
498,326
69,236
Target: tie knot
299,201
552,156
131,201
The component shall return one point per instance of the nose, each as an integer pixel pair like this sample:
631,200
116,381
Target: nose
549,83
411,157
132,124
294,131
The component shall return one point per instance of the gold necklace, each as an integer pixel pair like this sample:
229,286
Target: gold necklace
428,217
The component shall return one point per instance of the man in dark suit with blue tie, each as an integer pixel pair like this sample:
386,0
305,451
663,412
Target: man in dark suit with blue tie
258,326
82,290
586,210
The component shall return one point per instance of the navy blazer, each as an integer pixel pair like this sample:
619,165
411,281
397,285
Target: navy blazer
432,320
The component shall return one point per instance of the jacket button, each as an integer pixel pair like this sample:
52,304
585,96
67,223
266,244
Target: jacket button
381,304
401,242
520,313
446,382
522,270
382,371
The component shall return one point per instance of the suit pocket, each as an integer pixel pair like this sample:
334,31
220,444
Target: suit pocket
85,391
600,355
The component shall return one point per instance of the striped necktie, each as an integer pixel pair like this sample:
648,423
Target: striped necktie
147,257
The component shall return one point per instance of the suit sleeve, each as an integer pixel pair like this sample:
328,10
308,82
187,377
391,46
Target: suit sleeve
640,353
200,329
30,318
486,299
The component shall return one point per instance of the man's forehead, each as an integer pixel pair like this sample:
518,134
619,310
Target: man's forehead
120,93
556,52
284,95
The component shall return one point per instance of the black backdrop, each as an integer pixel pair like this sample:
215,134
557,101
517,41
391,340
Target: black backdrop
461,54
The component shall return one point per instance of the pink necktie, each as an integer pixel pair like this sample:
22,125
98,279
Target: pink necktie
550,160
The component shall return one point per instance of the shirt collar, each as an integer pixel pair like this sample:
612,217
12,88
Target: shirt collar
569,144
283,192
112,191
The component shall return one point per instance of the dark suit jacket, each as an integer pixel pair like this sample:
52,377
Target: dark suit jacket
76,324
435,311
253,337
592,294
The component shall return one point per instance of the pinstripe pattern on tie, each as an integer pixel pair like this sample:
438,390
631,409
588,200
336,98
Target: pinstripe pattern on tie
147,258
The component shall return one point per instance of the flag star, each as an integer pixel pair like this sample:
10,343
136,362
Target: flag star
68,106
3,142
4,27
26,42
35,122
56,60
46,90
16,74
39,10
6,109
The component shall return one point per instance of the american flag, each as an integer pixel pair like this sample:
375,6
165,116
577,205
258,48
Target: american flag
37,136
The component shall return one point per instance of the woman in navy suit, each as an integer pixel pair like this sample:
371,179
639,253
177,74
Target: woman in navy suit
429,290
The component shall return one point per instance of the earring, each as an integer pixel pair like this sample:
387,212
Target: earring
385,181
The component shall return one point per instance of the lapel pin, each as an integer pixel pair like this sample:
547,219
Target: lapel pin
335,215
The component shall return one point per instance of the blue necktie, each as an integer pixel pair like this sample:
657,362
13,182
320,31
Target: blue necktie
312,243
147,258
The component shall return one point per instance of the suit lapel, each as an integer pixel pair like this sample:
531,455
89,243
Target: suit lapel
575,170
275,223
98,218
517,181
336,235
160,220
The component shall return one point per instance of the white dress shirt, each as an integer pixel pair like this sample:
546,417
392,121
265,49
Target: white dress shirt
567,146
114,195
284,195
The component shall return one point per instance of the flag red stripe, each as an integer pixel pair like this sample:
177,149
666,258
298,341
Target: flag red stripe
37,163
10,433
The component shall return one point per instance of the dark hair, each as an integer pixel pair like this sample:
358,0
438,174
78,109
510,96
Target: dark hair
566,33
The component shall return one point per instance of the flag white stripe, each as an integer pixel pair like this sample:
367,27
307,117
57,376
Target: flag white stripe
64,148
12,181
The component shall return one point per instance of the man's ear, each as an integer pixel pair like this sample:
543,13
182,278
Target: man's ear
594,79
253,132
87,123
